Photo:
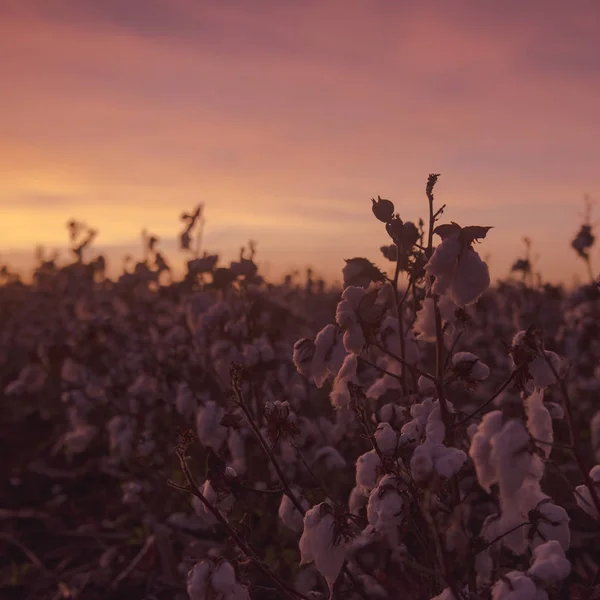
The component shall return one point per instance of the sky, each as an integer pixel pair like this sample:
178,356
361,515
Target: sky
285,117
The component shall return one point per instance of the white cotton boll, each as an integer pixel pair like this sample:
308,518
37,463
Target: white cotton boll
410,432
324,343
515,586
506,529
357,500
385,508
354,339
471,278
424,327
391,413
540,370
442,264
510,453
595,434
330,458
288,513
550,565
318,543
554,525
539,421
340,396
583,497
210,433
435,430
347,319
386,438
421,462
223,578
197,580
367,466
426,387
383,385
239,592
448,461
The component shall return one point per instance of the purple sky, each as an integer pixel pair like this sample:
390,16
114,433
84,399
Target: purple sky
286,117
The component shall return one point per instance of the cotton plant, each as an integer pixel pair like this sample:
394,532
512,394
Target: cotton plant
215,579
323,542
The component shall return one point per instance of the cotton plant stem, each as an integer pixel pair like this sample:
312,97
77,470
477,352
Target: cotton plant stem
193,488
591,485
288,491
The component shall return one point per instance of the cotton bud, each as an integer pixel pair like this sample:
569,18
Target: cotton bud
386,438
583,497
382,209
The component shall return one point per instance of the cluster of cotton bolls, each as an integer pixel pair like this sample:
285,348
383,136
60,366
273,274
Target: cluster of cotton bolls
422,435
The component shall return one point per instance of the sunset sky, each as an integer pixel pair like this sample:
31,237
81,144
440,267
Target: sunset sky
286,116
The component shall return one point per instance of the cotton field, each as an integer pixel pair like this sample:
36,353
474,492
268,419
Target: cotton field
425,434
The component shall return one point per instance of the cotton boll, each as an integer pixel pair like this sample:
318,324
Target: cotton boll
223,578
318,543
303,356
358,499
330,458
197,580
471,278
340,396
549,563
289,514
515,586
421,462
539,421
426,387
510,453
386,438
442,264
367,466
391,413
540,370
448,461
323,344
385,508
424,327
553,525
382,385
583,497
